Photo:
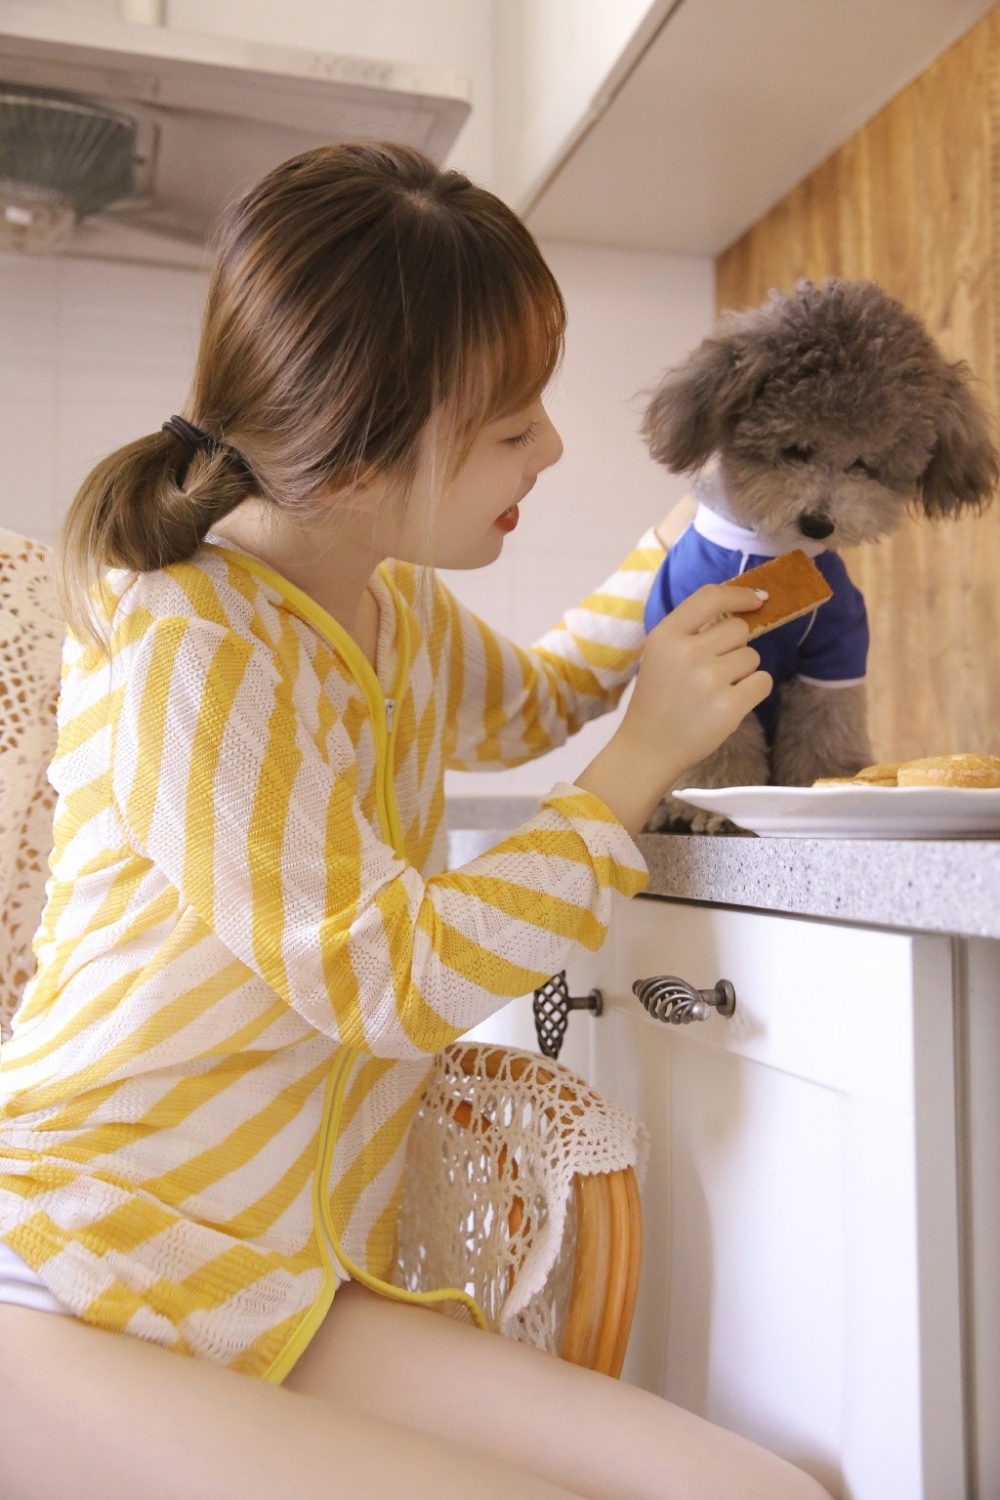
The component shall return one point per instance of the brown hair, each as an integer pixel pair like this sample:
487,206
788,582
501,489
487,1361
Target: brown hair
356,290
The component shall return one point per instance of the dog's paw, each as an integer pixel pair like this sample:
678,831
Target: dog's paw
710,822
674,816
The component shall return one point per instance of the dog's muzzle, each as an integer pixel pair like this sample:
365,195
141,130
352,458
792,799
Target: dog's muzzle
816,527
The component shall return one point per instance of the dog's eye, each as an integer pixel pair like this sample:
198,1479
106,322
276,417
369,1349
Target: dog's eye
860,466
797,454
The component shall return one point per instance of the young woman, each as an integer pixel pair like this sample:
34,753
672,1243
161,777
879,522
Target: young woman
250,949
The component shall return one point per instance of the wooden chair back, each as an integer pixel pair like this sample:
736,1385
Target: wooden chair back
607,1254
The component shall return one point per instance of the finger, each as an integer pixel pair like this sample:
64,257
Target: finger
725,633
710,601
753,690
748,598
740,664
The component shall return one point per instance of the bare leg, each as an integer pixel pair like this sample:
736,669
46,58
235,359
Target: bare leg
88,1415
596,1436
821,731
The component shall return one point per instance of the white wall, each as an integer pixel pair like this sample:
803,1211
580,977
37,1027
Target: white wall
555,61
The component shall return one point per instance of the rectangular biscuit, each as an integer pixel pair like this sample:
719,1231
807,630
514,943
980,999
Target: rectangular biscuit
795,587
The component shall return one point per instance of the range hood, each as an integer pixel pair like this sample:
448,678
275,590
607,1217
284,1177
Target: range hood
125,141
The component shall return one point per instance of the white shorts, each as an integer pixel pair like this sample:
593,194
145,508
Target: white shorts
19,1284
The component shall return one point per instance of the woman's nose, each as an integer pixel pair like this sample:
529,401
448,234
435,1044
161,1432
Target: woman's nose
548,446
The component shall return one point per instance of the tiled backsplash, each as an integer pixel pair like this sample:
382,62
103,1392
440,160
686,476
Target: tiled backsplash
93,354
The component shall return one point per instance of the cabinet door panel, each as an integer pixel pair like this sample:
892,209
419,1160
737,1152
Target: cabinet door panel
800,1282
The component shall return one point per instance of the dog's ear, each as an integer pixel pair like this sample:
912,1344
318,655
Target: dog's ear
687,416
964,466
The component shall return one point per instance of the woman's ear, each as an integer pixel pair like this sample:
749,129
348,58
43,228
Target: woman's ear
964,466
686,419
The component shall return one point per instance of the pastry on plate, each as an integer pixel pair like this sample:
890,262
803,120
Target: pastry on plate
934,770
880,775
951,770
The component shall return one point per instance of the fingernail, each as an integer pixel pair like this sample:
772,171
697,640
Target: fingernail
762,593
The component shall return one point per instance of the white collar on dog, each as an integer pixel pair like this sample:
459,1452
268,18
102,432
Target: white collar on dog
725,533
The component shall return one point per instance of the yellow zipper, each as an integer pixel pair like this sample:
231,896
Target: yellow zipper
335,1100
384,724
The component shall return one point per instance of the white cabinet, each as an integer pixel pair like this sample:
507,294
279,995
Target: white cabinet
801,1273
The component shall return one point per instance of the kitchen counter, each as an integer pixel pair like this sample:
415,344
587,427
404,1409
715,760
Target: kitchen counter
924,885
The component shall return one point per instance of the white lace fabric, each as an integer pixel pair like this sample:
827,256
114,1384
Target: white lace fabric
31,638
488,1187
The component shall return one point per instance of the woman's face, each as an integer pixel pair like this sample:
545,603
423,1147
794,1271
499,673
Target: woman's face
468,523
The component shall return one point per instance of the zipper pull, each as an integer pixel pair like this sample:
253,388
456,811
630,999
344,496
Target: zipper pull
390,704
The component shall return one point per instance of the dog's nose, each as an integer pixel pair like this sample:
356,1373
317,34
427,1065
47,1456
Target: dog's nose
816,527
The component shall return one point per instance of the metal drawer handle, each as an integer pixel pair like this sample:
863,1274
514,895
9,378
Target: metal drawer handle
668,998
552,1005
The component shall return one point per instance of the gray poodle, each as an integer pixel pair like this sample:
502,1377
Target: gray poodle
813,422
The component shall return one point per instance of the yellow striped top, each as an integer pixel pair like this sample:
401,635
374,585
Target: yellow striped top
250,945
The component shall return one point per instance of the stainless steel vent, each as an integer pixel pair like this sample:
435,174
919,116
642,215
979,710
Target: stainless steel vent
124,141
60,159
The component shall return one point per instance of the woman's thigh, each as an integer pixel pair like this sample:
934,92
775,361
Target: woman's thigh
596,1436
87,1415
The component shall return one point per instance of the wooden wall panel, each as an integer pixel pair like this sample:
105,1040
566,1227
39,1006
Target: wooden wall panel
912,201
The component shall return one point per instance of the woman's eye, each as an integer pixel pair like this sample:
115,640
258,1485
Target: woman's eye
860,466
797,454
522,439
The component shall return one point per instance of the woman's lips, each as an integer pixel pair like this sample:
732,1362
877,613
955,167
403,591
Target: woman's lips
509,519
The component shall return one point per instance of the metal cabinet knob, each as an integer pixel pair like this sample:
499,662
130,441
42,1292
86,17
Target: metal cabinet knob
668,998
552,1005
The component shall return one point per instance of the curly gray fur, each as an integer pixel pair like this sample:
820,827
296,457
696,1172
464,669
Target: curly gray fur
821,731
832,400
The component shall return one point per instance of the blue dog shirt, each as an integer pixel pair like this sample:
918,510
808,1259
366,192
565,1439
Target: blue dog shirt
830,646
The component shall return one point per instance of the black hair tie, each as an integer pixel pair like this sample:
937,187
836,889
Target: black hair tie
194,440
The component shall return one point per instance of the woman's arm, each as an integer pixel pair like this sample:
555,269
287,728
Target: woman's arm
518,702
258,825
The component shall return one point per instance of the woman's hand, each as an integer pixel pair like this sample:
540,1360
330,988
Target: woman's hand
697,681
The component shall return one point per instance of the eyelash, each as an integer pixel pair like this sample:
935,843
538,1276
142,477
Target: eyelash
522,439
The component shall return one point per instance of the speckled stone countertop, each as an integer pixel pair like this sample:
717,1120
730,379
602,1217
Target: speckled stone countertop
926,885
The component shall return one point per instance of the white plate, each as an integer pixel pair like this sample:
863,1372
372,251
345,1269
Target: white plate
848,812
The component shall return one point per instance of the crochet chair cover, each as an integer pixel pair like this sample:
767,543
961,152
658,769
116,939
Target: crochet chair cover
31,638
488,1188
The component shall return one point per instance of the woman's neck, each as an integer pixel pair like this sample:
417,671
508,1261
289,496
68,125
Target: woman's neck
325,562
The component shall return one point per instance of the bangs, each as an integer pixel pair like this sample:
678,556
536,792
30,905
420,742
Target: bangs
521,359
511,346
